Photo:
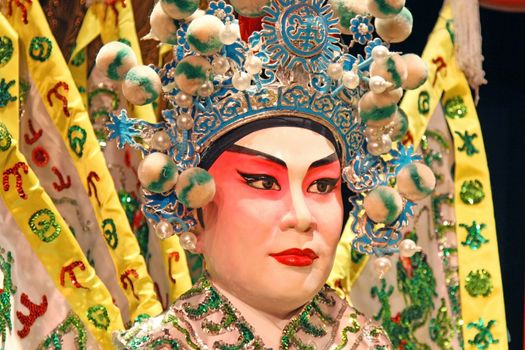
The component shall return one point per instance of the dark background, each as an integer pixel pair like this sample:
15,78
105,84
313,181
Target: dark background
501,112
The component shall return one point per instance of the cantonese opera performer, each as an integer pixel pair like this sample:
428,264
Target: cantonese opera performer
259,140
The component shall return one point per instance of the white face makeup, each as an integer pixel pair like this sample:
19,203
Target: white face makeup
271,232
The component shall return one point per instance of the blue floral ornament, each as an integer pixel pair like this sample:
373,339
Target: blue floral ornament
122,129
403,156
371,44
361,29
221,10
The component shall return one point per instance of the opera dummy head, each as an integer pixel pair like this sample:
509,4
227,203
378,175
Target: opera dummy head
262,132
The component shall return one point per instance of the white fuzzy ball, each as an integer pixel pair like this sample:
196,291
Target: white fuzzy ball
115,59
417,71
204,33
385,8
195,188
179,9
395,29
416,181
383,205
250,8
141,86
163,27
157,172
191,73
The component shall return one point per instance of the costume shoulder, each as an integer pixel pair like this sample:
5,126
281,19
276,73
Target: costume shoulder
354,330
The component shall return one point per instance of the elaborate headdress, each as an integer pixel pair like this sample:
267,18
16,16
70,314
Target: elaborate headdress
297,66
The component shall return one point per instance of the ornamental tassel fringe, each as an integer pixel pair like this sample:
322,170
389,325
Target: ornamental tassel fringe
468,42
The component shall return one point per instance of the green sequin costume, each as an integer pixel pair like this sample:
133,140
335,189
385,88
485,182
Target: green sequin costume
204,319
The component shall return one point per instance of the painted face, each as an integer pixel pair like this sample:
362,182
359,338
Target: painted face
272,229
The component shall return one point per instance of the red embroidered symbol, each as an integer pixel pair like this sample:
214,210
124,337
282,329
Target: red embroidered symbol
173,256
69,270
125,280
18,178
441,64
61,185
40,156
112,4
35,311
92,188
59,96
35,135
22,7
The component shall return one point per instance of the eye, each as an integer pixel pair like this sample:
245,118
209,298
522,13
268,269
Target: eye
323,186
261,181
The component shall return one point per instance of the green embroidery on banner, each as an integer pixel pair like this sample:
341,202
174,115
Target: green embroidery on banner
43,224
474,238
484,338
5,138
6,293
468,145
472,192
110,233
40,48
455,108
450,30
77,137
441,328
71,324
140,227
423,102
5,95
479,283
6,50
98,316
79,58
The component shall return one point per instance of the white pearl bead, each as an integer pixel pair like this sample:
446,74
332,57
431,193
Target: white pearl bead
184,122
164,230
407,248
160,141
377,84
220,65
350,80
188,241
386,143
372,133
335,71
382,266
241,81
253,64
206,89
380,53
374,148
183,100
227,35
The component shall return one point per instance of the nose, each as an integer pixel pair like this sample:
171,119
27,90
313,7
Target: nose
298,217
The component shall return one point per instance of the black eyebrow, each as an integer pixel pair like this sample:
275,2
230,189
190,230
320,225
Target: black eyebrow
326,160
252,152
244,150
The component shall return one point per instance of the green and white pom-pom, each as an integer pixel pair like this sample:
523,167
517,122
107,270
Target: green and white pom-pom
115,59
385,8
378,109
395,29
417,71
250,8
400,126
157,173
179,9
142,85
383,205
416,181
163,27
393,69
195,188
345,10
203,35
191,73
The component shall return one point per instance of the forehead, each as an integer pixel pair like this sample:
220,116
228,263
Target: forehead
291,144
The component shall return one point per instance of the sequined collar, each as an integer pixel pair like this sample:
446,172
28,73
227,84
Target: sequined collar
212,316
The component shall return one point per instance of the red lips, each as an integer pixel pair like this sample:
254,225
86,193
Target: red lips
295,257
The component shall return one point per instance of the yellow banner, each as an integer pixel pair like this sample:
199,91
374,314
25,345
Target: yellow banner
481,290
9,72
64,105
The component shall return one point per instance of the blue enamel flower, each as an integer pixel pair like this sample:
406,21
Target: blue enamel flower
122,129
403,156
361,29
221,10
